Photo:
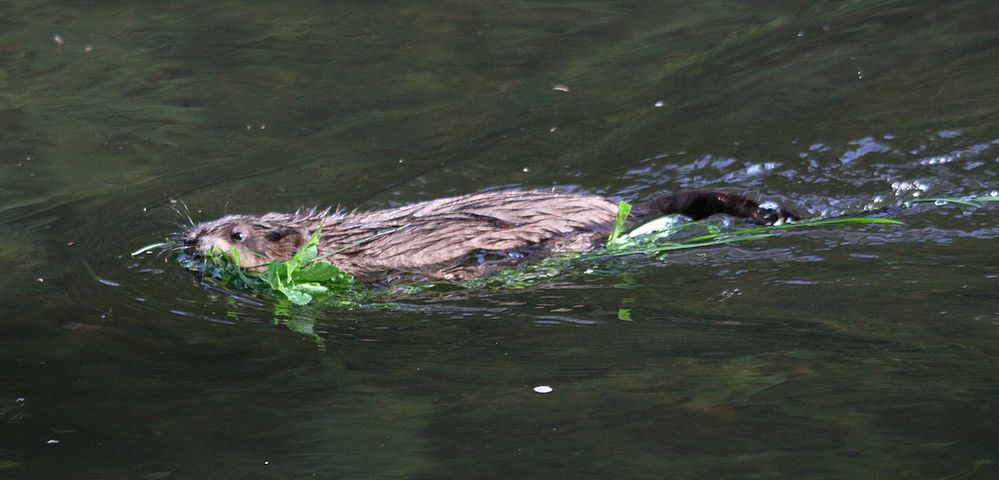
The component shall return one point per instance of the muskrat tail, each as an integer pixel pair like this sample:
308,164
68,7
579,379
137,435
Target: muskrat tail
698,205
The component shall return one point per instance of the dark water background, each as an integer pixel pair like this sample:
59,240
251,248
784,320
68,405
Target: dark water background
840,353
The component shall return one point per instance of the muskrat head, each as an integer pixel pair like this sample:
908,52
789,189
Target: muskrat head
259,239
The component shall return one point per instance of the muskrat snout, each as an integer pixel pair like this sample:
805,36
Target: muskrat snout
194,243
189,239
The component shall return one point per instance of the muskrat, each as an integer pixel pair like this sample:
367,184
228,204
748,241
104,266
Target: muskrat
454,238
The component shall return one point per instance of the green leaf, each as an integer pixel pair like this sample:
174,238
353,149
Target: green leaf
297,296
311,288
623,210
662,226
308,253
323,272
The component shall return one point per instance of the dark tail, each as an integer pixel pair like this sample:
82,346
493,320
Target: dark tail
698,205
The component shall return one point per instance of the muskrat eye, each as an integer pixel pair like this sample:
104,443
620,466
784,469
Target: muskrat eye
238,236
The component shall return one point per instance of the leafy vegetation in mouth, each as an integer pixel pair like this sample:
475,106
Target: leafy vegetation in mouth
307,278
301,279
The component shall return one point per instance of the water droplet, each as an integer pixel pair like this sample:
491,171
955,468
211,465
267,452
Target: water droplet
53,442
949,133
940,203
659,104
543,389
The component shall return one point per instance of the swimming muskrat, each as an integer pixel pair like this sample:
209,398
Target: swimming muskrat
454,238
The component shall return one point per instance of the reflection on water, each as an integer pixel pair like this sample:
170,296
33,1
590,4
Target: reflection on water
848,353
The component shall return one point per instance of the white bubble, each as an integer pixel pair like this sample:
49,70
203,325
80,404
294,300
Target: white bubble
543,389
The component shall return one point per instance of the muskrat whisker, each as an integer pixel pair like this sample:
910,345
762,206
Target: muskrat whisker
174,248
187,210
149,248
182,215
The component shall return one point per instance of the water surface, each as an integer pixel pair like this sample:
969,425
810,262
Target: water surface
867,352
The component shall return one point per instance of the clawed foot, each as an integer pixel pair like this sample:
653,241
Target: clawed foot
775,216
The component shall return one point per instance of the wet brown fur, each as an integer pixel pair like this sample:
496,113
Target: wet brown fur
453,238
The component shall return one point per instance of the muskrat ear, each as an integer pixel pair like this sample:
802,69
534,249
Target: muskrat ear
287,237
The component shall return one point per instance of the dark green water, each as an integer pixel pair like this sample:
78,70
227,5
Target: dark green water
841,353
